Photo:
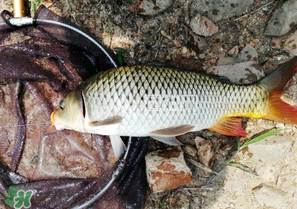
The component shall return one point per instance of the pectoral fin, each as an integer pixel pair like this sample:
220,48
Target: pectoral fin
117,145
229,127
108,121
173,131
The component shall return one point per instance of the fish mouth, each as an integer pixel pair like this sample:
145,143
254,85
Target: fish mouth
52,120
58,126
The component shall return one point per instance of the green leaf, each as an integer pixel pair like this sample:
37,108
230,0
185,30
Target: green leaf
263,63
238,142
35,4
120,52
119,49
242,167
120,59
261,137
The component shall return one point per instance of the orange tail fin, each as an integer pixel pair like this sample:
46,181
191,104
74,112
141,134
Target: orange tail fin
275,83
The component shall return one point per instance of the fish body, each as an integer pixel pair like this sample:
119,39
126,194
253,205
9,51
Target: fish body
164,102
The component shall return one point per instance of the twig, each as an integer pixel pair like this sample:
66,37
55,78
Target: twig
203,167
256,10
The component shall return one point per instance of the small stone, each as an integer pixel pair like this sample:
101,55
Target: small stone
252,44
290,45
203,26
240,73
177,43
188,149
167,170
197,200
165,34
233,52
168,57
205,151
248,53
280,125
199,41
256,41
269,197
147,7
283,19
186,52
277,43
290,92
288,128
201,56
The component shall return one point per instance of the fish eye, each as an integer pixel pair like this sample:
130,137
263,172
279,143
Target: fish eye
62,104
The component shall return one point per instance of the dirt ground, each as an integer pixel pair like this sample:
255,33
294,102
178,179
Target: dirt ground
167,37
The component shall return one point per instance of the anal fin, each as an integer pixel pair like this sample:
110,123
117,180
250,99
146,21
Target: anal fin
173,131
168,140
230,127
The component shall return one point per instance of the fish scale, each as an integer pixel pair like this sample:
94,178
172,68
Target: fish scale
151,98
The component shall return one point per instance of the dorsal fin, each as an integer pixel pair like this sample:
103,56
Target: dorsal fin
229,126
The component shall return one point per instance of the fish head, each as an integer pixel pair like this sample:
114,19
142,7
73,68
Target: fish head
70,114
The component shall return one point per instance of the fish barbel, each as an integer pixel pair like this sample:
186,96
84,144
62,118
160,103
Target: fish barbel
164,102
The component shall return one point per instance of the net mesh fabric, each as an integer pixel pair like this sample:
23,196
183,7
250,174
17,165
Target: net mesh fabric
40,65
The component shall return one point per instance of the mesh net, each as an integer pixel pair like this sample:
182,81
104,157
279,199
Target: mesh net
40,65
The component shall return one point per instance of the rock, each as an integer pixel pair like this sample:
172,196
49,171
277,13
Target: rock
290,45
205,151
198,41
186,52
203,26
147,7
277,43
248,53
167,170
283,19
226,60
190,150
269,197
218,10
176,43
270,173
240,73
252,44
165,34
290,92
233,52
271,150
